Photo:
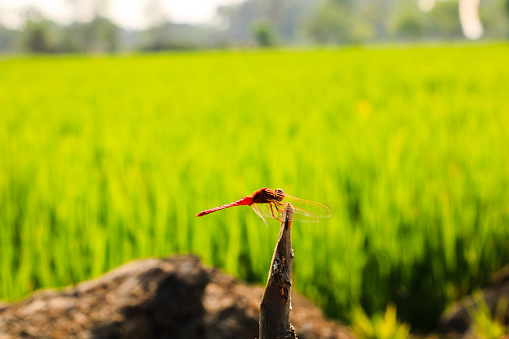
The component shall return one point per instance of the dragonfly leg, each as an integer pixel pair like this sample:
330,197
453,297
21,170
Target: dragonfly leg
272,210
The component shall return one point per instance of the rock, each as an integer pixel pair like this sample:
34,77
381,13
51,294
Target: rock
155,298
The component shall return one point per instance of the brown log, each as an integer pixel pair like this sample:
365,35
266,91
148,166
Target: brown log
276,301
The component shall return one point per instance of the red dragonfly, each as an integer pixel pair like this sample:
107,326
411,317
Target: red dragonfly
269,203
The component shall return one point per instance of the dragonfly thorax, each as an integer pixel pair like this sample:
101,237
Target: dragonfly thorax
267,195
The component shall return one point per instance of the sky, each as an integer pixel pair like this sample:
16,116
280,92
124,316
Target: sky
126,13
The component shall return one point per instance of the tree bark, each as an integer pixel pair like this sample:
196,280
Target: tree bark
276,301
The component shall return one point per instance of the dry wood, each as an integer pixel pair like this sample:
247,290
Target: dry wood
276,301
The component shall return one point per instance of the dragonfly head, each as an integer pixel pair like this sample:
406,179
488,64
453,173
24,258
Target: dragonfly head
280,194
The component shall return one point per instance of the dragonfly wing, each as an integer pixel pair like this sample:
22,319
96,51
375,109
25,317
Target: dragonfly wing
275,213
257,211
304,216
265,210
316,209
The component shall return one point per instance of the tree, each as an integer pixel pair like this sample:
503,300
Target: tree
7,39
332,22
409,26
104,34
104,31
285,18
443,21
264,34
408,21
157,25
7,36
35,34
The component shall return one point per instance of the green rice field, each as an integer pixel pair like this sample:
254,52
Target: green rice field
108,159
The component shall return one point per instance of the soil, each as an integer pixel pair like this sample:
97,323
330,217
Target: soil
175,297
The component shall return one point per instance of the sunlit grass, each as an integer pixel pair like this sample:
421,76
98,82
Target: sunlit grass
108,159
486,325
384,326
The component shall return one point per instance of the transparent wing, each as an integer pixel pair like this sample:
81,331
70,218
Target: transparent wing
274,211
257,211
314,208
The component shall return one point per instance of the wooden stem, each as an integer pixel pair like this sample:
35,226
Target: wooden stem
276,301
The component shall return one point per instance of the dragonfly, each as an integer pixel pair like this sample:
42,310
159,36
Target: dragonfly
269,203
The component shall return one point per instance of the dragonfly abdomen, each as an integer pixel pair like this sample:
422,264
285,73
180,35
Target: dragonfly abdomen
240,202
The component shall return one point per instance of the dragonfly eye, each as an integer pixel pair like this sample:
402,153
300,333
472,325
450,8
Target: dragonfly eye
280,192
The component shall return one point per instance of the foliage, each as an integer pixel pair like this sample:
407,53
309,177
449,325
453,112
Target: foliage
379,326
484,325
408,22
40,35
8,39
506,6
444,22
264,35
35,37
333,22
364,21
104,160
293,22
285,19
495,18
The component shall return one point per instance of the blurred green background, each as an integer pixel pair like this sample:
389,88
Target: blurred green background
107,159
